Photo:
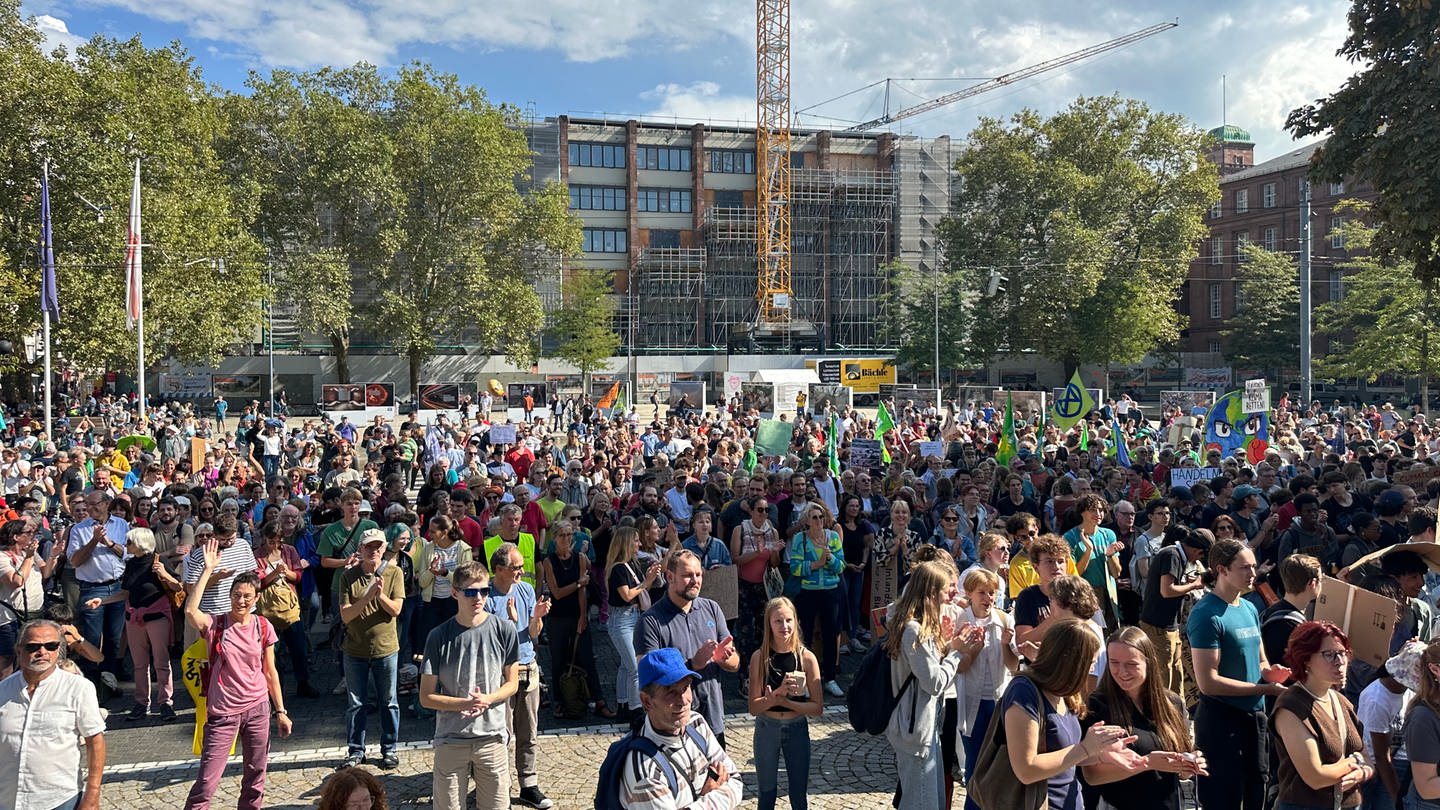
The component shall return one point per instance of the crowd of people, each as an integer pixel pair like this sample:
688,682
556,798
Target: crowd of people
1121,640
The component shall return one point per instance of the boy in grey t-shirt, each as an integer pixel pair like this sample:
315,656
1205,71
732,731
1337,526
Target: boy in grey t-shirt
470,672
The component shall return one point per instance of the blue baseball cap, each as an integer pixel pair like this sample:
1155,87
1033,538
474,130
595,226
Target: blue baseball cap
664,666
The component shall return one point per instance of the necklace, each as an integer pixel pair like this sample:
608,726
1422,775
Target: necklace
1330,703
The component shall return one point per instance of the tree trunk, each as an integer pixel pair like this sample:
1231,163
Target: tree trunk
417,362
1425,345
340,345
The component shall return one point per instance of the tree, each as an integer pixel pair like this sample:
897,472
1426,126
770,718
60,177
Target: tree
1381,125
465,247
1266,334
92,115
1092,216
311,149
583,327
915,299
1383,321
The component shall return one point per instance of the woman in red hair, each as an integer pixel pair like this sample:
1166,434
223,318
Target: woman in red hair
1323,763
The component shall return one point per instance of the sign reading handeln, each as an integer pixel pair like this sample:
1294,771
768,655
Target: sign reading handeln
1256,398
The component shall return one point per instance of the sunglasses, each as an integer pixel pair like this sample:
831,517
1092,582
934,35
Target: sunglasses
472,593
32,647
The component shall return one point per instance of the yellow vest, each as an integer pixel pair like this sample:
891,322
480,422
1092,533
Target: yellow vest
526,544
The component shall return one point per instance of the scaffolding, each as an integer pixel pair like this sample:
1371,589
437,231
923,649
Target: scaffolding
668,298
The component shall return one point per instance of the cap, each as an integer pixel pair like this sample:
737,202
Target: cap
372,536
1183,493
1390,502
366,507
1244,491
664,666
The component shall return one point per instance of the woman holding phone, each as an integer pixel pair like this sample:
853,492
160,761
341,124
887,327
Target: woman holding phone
784,692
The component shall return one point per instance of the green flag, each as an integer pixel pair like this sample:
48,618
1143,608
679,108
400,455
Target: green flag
773,437
832,448
883,424
750,459
1084,436
1006,453
1072,404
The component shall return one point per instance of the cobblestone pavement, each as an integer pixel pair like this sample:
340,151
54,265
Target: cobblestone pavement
849,770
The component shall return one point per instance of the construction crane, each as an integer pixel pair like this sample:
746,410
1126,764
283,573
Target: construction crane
772,167
1009,78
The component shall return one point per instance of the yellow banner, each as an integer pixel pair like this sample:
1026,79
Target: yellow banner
866,376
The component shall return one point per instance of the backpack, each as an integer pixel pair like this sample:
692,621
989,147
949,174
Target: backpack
612,770
871,700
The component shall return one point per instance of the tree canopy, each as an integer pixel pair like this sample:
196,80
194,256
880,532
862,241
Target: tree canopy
1383,125
583,327
1092,216
1266,331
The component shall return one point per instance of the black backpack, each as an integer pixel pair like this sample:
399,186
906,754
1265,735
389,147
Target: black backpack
612,770
871,700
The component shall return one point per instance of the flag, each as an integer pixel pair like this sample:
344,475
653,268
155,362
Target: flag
1084,435
1072,404
620,404
832,448
134,276
1006,453
49,295
883,424
1122,453
608,401
773,436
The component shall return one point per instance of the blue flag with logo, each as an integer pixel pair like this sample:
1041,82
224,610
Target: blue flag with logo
49,294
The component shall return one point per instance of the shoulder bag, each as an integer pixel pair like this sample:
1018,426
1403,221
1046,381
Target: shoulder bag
994,785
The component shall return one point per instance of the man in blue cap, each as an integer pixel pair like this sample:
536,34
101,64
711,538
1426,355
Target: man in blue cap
707,775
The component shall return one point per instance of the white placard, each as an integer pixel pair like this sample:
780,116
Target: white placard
1188,475
1256,398
932,449
502,434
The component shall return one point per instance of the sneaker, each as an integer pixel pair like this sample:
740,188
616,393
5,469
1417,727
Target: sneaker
856,646
352,761
137,712
339,688
845,648
389,762
167,713
108,678
532,797
833,689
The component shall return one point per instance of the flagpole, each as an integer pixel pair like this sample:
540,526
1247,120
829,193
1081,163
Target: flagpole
49,431
135,287
45,311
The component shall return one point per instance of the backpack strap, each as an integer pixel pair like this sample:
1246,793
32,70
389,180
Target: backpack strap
1289,615
644,745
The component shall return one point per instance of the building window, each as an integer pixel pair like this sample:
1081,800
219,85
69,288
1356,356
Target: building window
1242,201
1239,297
1215,210
1272,239
729,198
1267,195
664,200
1215,299
1337,286
663,158
732,161
1336,189
1214,347
1337,235
597,198
1217,250
599,155
604,240
664,239
1242,240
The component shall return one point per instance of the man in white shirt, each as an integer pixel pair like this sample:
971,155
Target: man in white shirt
45,713
96,550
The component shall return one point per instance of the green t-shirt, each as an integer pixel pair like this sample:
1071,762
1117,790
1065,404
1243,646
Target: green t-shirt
339,542
373,633
1234,630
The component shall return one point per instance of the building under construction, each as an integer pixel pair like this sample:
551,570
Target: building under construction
670,211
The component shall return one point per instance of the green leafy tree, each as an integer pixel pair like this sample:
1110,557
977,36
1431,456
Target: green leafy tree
465,247
583,329
1092,216
312,151
1382,124
1266,334
1384,320
915,299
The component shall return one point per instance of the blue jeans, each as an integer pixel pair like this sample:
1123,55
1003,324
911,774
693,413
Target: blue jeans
1374,795
358,674
102,626
921,779
622,636
1414,802
972,742
792,738
852,588
408,611
299,646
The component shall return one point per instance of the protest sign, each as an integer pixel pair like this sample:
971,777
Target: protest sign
1185,476
723,585
502,434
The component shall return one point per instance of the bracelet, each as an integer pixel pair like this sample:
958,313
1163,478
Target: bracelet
282,711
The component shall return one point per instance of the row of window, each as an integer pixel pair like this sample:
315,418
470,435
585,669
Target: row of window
663,158
1268,197
1270,240
1216,295
666,158
597,198
732,161
665,200
604,240
599,155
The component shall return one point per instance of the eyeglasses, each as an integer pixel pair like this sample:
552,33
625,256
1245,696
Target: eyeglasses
32,647
1335,656
204,534
520,567
950,518
472,593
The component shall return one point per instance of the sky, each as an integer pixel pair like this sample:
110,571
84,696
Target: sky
695,61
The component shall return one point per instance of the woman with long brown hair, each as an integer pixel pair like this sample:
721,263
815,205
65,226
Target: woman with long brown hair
1132,695
1422,734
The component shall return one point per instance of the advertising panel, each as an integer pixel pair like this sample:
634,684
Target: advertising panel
866,376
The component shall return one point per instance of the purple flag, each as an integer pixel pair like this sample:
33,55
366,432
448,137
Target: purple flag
49,296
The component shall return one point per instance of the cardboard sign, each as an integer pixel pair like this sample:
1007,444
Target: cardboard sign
1416,477
1189,475
1367,618
197,454
502,434
932,449
884,588
1256,398
866,454
723,585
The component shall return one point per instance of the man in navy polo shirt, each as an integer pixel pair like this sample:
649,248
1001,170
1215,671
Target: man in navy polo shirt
696,627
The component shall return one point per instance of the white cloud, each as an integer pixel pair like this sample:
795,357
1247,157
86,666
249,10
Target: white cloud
698,101
56,33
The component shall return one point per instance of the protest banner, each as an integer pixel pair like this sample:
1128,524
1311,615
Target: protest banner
722,584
